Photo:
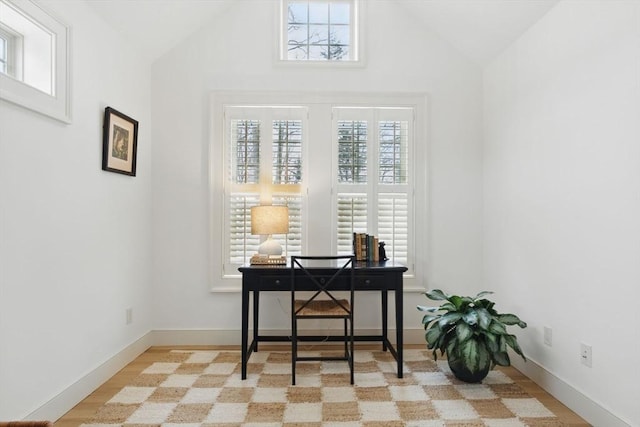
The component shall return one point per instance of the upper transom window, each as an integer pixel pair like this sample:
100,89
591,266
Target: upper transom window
315,30
34,59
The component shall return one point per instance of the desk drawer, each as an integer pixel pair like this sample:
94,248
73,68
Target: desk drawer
275,282
373,281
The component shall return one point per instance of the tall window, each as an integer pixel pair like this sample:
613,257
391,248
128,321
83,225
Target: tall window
11,45
264,166
374,186
342,163
315,30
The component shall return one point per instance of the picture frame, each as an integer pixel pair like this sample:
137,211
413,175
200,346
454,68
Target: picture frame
119,142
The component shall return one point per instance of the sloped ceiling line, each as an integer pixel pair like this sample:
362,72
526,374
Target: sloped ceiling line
480,29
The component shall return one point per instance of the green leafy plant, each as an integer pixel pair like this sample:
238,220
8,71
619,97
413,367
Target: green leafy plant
471,332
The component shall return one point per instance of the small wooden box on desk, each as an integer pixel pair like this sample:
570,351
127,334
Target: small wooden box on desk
268,260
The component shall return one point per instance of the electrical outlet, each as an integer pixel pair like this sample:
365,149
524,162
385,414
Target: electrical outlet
129,315
585,355
548,336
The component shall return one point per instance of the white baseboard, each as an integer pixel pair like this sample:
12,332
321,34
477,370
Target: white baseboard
164,337
76,392
591,411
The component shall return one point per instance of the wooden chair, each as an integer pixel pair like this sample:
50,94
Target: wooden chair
322,274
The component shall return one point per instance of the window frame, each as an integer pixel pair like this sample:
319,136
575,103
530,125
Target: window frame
57,104
265,191
317,193
357,44
13,50
372,188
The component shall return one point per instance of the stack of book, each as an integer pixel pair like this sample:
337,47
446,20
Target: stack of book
365,247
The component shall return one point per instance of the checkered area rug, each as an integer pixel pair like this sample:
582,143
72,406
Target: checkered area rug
203,388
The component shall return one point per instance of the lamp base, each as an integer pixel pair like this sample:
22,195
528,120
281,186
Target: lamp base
270,247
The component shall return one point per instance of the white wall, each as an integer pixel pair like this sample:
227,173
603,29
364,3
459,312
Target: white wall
562,196
74,240
236,52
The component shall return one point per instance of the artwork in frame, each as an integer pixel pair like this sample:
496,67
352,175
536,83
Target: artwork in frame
119,142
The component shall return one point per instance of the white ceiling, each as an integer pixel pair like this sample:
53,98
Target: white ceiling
156,26
478,28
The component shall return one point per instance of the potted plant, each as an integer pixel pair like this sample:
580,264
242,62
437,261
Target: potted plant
471,332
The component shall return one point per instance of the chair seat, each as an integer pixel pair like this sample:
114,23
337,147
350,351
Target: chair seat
320,308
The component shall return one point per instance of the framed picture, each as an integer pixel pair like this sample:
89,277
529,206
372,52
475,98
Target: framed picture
119,142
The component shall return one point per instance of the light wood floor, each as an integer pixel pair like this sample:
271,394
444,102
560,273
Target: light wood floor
85,410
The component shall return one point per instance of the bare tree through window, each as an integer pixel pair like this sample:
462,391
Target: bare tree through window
319,30
352,151
247,151
287,151
393,152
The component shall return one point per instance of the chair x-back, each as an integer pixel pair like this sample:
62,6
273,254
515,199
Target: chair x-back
307,273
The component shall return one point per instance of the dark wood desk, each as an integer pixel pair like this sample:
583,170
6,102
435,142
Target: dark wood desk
382,277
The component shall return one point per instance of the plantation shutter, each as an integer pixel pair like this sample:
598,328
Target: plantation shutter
241,241
264,166
292,241
352,218
373,178
393,158
287,152
393,225
245,149
394,184
352,151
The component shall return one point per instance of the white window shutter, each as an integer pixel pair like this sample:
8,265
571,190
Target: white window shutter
242,244
393,225
352,218
264,158
287,152
291,242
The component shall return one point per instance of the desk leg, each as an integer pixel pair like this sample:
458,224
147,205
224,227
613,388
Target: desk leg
399,294
385,320
256,307
245,328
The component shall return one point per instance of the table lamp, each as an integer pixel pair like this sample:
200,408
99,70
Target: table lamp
267,220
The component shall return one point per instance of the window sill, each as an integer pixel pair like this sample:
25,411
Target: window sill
284,63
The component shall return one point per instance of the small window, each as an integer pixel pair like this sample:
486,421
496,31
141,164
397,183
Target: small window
34,59
10,52
319,31
3,53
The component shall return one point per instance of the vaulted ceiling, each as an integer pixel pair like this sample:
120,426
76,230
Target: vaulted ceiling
480,29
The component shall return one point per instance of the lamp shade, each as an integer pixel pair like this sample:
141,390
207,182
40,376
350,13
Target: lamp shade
269,219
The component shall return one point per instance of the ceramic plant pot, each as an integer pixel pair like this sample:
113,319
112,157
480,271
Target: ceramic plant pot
463,373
